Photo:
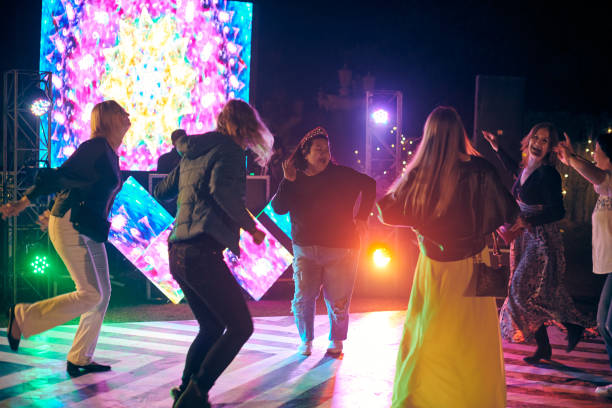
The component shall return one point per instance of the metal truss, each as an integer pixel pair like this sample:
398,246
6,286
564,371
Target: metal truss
26,143
383,145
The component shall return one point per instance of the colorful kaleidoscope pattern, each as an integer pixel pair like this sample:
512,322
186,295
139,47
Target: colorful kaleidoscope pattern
169,63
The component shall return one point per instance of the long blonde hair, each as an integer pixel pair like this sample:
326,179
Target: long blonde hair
105,121
241,122
430,180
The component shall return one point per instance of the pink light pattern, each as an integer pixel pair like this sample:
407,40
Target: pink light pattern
170,64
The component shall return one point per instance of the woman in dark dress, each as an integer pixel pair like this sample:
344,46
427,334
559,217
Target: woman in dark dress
537,288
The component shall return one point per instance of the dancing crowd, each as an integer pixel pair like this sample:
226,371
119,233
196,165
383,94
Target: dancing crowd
450,353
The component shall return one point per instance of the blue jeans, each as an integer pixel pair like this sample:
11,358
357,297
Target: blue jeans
333,269
604,315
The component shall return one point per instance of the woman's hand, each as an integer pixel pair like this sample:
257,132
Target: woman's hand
43,220
564,150
492,139
14,208
257,235
289,170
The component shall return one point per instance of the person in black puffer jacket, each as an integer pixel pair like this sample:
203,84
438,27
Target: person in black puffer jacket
210,182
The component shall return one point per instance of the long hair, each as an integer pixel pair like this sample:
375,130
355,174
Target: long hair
303,148
241,122
429,182
551,157
104,119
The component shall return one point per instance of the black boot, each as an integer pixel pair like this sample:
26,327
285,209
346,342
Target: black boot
544,351
192,397
574,335
175,393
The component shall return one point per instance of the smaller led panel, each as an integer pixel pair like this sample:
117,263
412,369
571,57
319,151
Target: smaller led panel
140,227
259,266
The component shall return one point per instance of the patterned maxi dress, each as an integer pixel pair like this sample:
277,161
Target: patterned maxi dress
538,293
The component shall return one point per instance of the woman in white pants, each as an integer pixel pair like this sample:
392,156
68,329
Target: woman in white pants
86,186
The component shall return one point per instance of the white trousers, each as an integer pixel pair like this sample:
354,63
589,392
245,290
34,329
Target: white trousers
87,264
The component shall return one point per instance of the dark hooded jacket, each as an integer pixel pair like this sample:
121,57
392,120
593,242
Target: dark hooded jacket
210,182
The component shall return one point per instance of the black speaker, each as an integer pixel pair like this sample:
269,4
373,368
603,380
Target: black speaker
499,104
257,193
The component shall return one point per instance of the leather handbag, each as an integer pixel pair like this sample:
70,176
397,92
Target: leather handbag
491,281
88,223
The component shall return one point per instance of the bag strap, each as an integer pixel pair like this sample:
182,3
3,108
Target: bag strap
495,244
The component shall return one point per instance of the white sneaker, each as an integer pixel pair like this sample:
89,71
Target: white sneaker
335,347
604,391
305,348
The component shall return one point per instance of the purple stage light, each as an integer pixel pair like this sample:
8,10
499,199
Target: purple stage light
380,117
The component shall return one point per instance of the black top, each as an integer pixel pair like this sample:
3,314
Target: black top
542,187
168,161
321,206
90,175
480,204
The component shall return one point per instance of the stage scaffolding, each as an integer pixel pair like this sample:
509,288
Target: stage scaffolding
383,144
26,145
386,154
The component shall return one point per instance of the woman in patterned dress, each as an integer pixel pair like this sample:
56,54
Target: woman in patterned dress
537,292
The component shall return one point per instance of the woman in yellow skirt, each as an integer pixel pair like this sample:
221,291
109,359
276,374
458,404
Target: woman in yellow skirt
450,354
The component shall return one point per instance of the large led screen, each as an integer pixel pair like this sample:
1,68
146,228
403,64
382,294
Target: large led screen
169,63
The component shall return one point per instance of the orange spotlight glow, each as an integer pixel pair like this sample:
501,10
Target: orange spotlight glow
381,257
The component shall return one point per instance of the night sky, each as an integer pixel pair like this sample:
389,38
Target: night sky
431,52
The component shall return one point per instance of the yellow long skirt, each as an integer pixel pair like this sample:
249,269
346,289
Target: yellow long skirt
450,354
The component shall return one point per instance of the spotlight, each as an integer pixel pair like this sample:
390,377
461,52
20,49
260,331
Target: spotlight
381,257
380,117
39,102
39,265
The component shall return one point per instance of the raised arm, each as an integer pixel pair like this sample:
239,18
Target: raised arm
284,198
509,164
588,170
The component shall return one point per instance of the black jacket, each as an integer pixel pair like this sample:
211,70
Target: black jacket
86,183
543,187
210,182
481,204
